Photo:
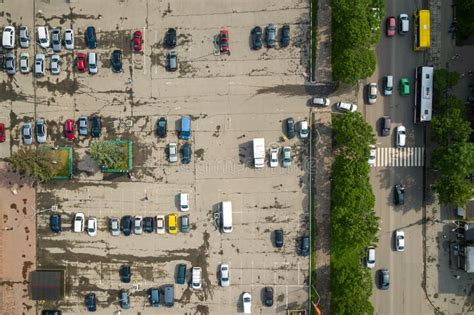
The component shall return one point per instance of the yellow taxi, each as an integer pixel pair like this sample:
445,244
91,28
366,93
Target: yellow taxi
172,223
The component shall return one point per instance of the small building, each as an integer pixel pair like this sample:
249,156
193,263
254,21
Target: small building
47,285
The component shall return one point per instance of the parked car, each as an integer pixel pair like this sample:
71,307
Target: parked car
56,39
247,303
285,36
173,152
2,132
116,61
124,299
137,225
256,36
181,274
161,129
224,275
172,61
70,129
399,240
69,39
224,42
168,293
184,223
125,273
279,238
91,302
372,93
372,155
370,259
401,136
92,226
304,131
391,26
114,226
346,107
172,221
399,194
404,87
27,133
78,225
196,279
96,126
170,38
40,129
92,62
137,41
8,39
24,62
154,297
42,36
286,156
320,101
386,126
186,152
91,39
83,123
55,223
270,35
268,296
184,202
274,157
10,63
81,62
39,65
160,224
384,279
290,128
55,64
126,225
24,37
304,246
148,224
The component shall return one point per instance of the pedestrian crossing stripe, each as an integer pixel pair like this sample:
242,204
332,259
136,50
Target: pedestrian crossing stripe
399,157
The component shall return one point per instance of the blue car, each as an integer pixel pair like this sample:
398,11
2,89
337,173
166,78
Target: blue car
185,130
91,39
125,274
124,299
55,223
91,302
154,296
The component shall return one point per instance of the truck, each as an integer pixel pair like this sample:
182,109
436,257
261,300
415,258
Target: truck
259,152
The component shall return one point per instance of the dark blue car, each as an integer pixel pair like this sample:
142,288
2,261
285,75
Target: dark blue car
125,274
96,127
186,151
91,39
55,223
91,302
126,225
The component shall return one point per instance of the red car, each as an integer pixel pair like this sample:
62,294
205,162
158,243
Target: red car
81,62
137,41
2,133
224,42
391,26
70,129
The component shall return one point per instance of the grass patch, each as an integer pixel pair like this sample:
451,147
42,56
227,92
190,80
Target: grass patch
123,163
62,157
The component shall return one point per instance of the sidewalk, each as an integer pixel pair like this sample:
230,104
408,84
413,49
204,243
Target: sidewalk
324,44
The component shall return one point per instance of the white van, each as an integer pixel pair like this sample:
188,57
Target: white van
226,216
388,85
8,39
196,282
92,61
184,202
79,222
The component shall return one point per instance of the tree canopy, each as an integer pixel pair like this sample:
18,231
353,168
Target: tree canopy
106,153
39,165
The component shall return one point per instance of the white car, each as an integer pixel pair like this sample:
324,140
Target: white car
56,39
346,107
92,62
42,36
137,224
114,225
55,64
372,155
399,240
372,93
92,226
196,278
274,157
304,131
160,224
224,275
286,161
370,260
24,62
69,39
320,101
39,65
24,37
26,132
40,129
79,219
8,39
173,152
401,136
247,303
184,202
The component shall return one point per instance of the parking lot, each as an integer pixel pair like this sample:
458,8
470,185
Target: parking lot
231,99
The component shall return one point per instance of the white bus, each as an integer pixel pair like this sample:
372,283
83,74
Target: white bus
423,94
226,216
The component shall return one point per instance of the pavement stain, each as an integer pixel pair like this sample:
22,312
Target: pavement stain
26,265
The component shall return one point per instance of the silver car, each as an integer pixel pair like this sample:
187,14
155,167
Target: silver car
69,39
114,226
24,37
286,162
39,65
27,133
55,64
173,152
24,62
83,126
56,39
138,224
10,63
41,132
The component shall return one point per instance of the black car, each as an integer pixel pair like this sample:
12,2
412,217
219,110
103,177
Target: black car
304,246
162,127
91,302
186,151
126,225
51,312
256,36
148,224
125,274
116,61
91,39
285,36
279,238
399,194
55,223
96,127
268,296
384,279
290,128
170,38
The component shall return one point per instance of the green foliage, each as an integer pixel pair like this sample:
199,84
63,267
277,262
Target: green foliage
457,159
107,154
451,127
465,18
353,135
453,189
444,79
38,165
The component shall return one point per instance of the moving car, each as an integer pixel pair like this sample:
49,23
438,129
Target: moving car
55,223
172,61
137,41
274,157
186,152
24,62
42,36
268,296
404,87
184,223
170,38
83,126
304,131
196,279
125,273
81,62
70,130
388,85
279,238
124,299
172,219
320,101
370,259
160,224
184,202
114,226
126,225
384,279
116,61
403,24
290,128
10,63
2,132
91,302
40,129
391,26
399,240
256,35
137,225
148,224
79,220
247,303
270,35
372,93
92,226
55,64
39,65
27,133
56,39
285,36
401,136
386,125
173,152
224,275
91,39
224,42
346,107
372,155
286,156
24,37
96,126
161,129
399,194
69,39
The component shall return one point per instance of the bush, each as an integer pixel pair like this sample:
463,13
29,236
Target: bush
39,165
465,18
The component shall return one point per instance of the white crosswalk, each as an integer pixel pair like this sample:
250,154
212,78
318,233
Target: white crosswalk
400,157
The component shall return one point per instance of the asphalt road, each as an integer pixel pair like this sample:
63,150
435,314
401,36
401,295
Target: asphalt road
395,56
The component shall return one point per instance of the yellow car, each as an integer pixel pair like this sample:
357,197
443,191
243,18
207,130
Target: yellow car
172,223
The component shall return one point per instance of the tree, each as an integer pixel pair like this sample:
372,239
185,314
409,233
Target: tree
457,159
353,135
38,165
444,79
464,15
453,189
106,153
451,127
